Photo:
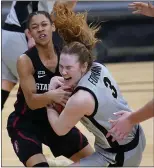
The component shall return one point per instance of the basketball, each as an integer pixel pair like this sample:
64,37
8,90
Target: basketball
58,107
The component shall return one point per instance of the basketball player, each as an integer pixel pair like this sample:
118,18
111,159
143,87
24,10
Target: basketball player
95,98
14,41
28,125
142,8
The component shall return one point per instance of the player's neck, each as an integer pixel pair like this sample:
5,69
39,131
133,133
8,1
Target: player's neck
47,52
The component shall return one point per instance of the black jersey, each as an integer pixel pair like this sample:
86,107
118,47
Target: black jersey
42,78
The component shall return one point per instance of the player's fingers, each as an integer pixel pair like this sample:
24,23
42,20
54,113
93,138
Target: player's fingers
59,83
126,135
113,130
113,139
132,6
108,134
121,136
140,4
67,94
65,99
112,122
150,5
137,12
61,79
63,103
65,87
117,133
119,113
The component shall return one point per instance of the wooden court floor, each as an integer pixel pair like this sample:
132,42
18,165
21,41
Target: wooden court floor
136,83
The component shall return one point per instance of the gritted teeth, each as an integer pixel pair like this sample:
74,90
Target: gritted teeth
42,36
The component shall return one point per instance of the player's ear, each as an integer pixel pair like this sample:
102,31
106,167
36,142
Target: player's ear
84,67
28,33
53,27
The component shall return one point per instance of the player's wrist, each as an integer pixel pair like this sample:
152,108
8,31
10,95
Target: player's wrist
130,119
48,95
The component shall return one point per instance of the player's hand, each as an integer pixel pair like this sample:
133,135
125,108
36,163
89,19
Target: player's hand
121,127
60,96
142,8
56,82
31,43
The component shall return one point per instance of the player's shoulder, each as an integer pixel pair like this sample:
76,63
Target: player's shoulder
24,64
82,97
32,51
23,59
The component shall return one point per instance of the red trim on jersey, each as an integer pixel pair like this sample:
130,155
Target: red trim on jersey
17,118
24,109
15,121
26,138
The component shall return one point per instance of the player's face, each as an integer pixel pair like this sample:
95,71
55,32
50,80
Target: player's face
71,69
41,29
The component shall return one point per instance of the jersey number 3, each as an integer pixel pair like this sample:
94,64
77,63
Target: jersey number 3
107,83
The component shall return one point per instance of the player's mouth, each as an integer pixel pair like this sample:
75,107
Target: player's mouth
42,36
67,79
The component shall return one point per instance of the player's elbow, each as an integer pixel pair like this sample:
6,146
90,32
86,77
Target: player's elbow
61,132
31,106
31,103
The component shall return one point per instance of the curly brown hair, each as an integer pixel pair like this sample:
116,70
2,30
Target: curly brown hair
73,28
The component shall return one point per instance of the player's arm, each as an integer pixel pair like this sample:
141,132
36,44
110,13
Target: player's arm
27,82
143,113
80,104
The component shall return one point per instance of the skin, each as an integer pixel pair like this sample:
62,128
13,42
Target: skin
142,8
129,120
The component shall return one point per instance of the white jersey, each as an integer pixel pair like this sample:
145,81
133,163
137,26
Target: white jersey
108,100
20,9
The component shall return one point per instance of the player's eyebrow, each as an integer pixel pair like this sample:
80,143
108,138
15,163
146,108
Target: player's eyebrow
41,22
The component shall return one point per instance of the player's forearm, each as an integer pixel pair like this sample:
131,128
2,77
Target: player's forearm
53,118
37,101
143,113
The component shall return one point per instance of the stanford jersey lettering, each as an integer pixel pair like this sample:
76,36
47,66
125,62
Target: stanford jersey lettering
42,86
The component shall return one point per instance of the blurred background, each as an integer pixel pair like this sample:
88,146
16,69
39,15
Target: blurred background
125,37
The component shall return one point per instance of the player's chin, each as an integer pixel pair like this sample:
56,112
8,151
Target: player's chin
42,43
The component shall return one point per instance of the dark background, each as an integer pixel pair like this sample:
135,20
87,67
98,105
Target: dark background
125,37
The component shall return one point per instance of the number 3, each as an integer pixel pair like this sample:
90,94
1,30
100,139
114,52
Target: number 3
107,83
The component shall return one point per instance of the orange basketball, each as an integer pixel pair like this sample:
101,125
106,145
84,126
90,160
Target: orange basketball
58,107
